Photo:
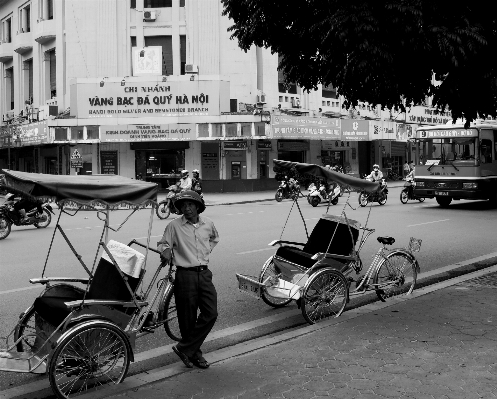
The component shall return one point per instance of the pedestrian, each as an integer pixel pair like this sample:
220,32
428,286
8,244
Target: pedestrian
188,242
411,166
407,169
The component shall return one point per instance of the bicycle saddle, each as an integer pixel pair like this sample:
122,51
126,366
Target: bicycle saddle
386,240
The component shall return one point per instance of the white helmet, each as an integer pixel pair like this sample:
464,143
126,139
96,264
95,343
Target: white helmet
195,171
184,172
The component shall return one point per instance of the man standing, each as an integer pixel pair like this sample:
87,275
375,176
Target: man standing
188,241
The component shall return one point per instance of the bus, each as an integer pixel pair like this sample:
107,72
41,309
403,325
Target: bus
454,163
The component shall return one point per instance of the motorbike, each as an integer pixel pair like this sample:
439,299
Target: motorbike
166,206
318,195
9,216
285,192
407,192
377,196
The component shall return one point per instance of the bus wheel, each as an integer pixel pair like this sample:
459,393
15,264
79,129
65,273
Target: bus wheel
444,202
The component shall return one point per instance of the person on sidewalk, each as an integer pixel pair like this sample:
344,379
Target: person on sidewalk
188,242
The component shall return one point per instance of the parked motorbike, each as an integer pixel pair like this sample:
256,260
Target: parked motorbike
166,206
407,192
9,216
318,195
377,196
285,192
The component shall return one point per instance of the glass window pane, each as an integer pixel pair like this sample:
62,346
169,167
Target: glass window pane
203,130
217,130
246,129
231,130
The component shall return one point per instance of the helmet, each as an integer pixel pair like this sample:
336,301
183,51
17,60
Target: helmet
190,196
195,171
184,173
376,166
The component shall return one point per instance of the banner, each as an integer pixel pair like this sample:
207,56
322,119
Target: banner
91,98
131,133
355,130
446,133
302,127
108,162
382,130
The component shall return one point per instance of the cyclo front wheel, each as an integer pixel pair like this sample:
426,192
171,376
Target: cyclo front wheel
269,270
169,316
4,228
396,275
324,295
88,357
363,199
27,330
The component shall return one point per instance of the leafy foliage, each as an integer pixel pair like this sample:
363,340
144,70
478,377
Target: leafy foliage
383,52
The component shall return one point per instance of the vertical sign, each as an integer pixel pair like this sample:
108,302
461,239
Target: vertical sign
108,162
210,166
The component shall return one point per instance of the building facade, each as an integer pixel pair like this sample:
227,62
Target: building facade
145,88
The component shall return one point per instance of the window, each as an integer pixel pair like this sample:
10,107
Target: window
60,134
25,19
28,76
50,9
46,9
167,51
92,132
9,87
181,3
7,30
203,130
231,129
76,133
182,50
53,73
158,3
132,4
260,128
329,92
283,87
246,129
217,130
486,151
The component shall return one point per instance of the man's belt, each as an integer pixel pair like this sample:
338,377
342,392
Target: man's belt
193,268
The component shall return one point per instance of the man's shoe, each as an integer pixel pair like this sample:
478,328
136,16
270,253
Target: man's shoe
185,359
200,362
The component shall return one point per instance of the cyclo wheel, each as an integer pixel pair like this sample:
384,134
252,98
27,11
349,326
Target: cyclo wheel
27,330
162,211
279,195
324,295
4,228
269,271
44,224
396,275
89,356
363,199
168,315
403,196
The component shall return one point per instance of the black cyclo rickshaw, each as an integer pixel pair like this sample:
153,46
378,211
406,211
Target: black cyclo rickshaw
83,336
318,273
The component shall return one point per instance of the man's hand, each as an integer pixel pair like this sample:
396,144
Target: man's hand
165,255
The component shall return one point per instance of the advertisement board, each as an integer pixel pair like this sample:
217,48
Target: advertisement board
304,127
382,130
91,98
446,133
132,133
33,133
147,60
108,162
355,130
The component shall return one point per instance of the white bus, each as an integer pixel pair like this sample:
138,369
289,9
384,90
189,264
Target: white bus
454,163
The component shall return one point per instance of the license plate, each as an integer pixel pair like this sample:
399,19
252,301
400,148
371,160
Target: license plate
250,287
441,193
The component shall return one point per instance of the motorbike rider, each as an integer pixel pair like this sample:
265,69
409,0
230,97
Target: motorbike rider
185,183
376,174
23,205
197,182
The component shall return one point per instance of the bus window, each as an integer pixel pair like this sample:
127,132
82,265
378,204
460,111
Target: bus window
443,151
486,151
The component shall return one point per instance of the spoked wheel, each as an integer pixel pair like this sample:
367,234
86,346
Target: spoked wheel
278,196
87,358
325,296
363,199
44,223
334,201
5,228
383,199
315,201
270,271
27,330
403,197
396,275
163,210
168,314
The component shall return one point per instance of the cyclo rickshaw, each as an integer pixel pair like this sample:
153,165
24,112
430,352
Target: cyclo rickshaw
317,274
83,336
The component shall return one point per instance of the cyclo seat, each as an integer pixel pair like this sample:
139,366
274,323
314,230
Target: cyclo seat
106,284
386,240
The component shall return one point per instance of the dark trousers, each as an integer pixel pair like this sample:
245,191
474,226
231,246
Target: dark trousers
193,292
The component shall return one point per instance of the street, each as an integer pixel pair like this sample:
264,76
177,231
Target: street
463,231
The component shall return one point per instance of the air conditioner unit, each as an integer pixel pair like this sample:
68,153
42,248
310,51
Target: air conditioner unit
261,98
190,68
149,16
295,102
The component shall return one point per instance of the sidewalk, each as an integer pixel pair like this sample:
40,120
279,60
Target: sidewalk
439,343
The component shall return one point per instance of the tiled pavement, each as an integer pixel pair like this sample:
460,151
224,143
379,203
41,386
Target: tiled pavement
439,345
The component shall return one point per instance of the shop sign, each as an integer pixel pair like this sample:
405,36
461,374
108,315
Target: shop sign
235,145
421,115
33,133
147,61
382,130
132,133
332,145
404,132
443,133
355,130
293,146
108,162
76,159
144,99
301,127
264,145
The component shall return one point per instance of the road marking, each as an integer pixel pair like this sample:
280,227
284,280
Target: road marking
435,221
31,287
255,250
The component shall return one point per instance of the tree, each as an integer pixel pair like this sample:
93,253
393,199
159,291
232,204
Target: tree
384,52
